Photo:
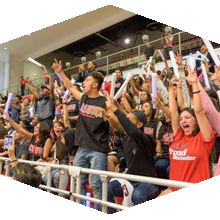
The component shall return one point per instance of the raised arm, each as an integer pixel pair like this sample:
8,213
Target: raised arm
65,115
202,120
36,95
18,127
57,67
173,110
51,85
180,99
135,90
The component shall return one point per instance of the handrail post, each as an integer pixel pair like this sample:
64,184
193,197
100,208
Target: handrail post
7,163
107,60
139,54
1,164
49,177
75,172
72,187
104,179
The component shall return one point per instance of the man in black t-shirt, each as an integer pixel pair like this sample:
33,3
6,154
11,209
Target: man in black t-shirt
92,131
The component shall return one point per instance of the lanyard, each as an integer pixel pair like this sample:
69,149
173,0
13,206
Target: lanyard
113,139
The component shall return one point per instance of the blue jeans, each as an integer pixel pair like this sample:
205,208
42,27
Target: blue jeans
162,166
142,192
94,160
52,178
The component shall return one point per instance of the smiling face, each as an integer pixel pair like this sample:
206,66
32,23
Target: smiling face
37,130
204,49
188,123
57,129
89,84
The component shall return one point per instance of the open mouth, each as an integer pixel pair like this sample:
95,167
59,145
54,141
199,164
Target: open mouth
58,133
186,128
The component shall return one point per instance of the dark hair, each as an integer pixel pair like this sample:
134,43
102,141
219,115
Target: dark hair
149,99
102,72
98,78
18,96
2,119
54,137
44,132
78,87
3,132
191,112
140,78
152,111
130,101
26,124
94,64
69,136
25,173
27,99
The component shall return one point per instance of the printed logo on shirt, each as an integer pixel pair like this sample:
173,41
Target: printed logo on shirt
134,151
168,138
90,111
71,108
117,85
148,130
179,154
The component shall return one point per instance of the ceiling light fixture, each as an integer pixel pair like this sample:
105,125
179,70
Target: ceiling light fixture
127,41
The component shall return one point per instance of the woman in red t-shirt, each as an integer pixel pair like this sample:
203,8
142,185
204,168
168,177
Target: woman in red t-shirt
193,139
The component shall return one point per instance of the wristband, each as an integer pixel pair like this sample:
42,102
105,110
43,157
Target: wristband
180,87
196,92
13,160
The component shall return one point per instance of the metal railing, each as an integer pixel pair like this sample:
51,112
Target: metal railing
75,182
184,42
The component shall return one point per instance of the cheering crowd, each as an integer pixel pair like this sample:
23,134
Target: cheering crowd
173,135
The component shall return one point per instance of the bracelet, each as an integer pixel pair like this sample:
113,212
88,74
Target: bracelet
44,159
196,92
179,87
13,160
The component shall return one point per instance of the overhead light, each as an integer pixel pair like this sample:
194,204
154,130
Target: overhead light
5,48
83,59
127,41
98,54
67,65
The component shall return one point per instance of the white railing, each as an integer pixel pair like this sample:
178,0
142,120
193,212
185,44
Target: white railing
75,182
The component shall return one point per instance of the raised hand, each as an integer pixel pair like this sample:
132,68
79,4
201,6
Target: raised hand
44,69
109,103
192,76
178,81
57,66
